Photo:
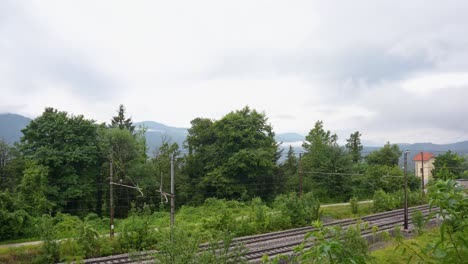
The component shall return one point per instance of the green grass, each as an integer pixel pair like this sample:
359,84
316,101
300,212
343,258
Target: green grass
344,211
23,254
391,255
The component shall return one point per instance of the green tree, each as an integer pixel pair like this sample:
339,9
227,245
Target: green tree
121,122
449,166
354,146
67,146
233,157
34,189
388,155
290,170
325,163
122,147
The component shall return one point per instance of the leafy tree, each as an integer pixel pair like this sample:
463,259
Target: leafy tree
121,122
34,190
449,166
290,164
121,146
67,147
290,170
388,155
325,162
232,157
354,146
317,143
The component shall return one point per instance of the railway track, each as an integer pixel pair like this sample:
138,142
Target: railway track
275,243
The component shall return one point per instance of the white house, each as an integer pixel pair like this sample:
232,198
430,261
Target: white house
427,165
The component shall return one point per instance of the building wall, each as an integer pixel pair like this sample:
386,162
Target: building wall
428,167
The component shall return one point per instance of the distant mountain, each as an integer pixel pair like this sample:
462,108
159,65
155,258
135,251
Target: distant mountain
157,132
289,137
11,126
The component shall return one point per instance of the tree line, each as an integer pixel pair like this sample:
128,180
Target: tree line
62,164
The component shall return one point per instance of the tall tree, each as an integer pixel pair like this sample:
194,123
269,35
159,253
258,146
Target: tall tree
234,156
121,122
122,147
354,146
324,162
67,147
388,155
290,164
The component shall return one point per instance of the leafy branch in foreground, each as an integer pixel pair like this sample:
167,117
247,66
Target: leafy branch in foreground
451,246
329,245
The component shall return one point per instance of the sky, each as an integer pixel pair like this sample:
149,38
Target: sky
394,70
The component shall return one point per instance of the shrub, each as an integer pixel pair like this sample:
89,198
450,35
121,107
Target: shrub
353,202
136,232
417,218
50,248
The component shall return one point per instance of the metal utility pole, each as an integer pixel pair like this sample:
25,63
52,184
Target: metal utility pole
422,175
172,192
300,174
111,197
405,224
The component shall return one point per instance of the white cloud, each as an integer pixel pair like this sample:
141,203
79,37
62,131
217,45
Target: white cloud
427,84
355,65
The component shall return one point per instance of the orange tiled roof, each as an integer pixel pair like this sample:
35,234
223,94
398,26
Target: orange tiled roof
426,156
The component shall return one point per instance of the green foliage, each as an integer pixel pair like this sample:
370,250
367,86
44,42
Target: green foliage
121,122
11,166
450,246
34,190
331,245
234,157
14,222
354,146
418,220
449,166
50,246
383,201
298,211
324,155
176,245
353,202
137,234
388,155
67,146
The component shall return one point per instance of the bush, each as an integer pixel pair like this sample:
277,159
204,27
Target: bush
298,211
353,202
137,233
50,248
417,218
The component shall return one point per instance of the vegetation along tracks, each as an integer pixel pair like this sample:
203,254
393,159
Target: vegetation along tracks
281,242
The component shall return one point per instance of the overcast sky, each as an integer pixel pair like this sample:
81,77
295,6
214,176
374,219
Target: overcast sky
396,70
